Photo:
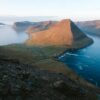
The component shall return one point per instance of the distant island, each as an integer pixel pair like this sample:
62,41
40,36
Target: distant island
26,26
90,27
2,24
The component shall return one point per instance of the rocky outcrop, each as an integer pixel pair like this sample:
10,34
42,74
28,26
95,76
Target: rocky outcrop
64,32
90,27
20,81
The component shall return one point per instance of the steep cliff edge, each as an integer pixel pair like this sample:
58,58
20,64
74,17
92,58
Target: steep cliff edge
64,32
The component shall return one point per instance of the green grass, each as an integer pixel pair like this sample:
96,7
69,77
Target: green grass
42,57
81,43
30,54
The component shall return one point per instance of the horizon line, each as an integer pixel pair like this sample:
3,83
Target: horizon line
57,17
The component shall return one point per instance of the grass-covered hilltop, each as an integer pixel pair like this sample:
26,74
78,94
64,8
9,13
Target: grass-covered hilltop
31,71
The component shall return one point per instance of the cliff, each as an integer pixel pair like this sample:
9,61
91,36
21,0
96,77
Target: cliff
64,32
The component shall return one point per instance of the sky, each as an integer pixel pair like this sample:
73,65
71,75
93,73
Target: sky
73,9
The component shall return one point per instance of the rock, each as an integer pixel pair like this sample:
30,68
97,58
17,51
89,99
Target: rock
5,78
58,84
69,90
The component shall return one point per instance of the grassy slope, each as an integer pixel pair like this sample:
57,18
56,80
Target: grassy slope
42,58
20,81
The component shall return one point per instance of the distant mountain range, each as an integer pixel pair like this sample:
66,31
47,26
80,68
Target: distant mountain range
64,32
12,19
2,24
49,26
90,27
29,27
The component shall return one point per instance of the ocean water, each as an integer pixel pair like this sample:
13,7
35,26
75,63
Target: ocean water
85,62
9,36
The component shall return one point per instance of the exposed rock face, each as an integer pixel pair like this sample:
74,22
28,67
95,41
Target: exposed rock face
30,27
64,32
90,27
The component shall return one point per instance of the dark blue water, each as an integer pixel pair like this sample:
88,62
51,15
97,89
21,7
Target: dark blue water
86,62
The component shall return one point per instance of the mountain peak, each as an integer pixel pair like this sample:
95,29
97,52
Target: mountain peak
64,32
66,20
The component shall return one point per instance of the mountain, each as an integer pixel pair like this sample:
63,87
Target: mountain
11,19
40,26
32,26
64,32
22,26
90,27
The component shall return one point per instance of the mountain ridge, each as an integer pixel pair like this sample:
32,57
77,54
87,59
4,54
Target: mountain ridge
64,32
91,27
